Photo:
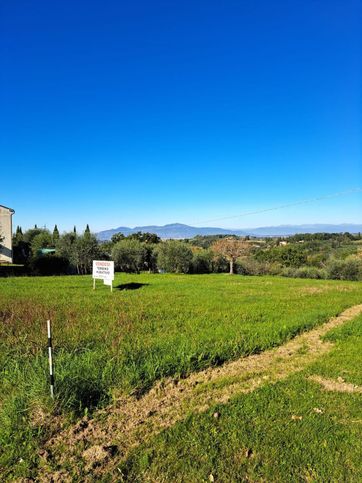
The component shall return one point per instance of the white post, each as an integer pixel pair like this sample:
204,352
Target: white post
50,356
94,284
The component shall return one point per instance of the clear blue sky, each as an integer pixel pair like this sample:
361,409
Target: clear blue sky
128,113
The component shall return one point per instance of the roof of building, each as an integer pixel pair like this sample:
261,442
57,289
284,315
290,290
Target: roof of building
7,208
45,251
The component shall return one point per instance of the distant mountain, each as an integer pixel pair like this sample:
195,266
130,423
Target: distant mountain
180,231
285,230
174,230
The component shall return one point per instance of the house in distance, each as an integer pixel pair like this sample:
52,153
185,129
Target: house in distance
6,233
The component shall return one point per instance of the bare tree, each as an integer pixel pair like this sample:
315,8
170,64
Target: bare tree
232,249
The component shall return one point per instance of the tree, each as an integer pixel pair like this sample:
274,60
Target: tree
65,247
79,250
150,257
129,255
19,233
21,248
232,249
86,249
87,230
55,234
145,237
117,237
174,256
105,248
42,240
30,234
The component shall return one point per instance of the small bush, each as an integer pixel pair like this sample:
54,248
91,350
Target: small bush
220,264
309,272
304,272
13,270
288,272
348,269
251,266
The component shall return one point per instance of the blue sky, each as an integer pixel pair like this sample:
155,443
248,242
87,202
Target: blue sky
130,113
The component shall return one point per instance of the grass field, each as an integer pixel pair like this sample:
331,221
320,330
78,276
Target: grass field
109,345
291,431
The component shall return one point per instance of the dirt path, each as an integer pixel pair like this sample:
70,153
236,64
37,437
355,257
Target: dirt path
100,443
336,386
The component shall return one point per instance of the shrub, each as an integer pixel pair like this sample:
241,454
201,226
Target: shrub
274,268
309,272
202,262
251,266
220,264
13,270
289,256
348,269
49,265
288,272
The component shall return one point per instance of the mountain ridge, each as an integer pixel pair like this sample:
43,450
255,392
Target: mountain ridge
180,231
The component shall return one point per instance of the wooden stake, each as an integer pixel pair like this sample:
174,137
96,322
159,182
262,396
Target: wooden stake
50,356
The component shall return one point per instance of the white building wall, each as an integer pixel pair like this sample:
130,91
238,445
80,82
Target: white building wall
6,231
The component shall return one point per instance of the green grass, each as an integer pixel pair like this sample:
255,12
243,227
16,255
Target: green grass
106,343
346,359
256,437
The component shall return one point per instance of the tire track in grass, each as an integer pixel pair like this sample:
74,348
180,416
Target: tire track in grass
97,445
338,385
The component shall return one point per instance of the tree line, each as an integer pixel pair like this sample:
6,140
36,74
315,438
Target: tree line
45,252
337,256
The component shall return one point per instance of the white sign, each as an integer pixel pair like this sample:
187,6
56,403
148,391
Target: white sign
103,270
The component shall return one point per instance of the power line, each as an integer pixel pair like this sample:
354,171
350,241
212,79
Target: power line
287,205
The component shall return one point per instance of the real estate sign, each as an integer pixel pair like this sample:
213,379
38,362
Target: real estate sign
103,270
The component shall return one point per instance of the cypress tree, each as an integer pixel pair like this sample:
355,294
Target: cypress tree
18,234
55,234
87,232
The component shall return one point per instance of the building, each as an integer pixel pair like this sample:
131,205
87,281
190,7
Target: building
6,234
